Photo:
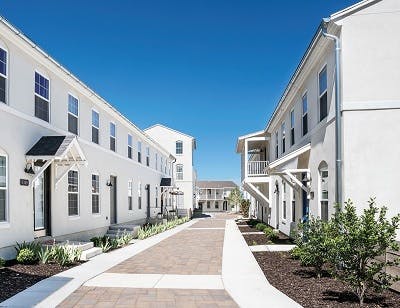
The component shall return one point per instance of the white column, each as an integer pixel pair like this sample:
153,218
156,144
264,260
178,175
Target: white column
246,158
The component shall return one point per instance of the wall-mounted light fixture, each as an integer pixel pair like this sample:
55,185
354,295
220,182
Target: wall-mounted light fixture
29,169
109,184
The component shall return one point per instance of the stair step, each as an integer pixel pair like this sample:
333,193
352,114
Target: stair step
119,231
124,227
81,245
90,253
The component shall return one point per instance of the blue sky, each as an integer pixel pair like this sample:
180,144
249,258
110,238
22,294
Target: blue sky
213,69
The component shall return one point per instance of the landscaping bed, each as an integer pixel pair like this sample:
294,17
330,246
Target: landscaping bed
262,239
15,277
248,229
302,285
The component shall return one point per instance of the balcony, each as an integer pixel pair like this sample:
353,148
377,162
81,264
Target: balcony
257,168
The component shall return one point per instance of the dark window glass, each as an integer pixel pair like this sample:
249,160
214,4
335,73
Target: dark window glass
112,144
139,202
323,106
139,158
324,210
293,211
147,161
179,147
3,62
292,136
41,109
130,203
2,205
95,204
41,86
95,135
130,152
2,89
276,152
283,145
73,188
305,124
95,194
72,124
72,204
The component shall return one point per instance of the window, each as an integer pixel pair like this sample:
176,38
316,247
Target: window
42,86
139,195
323,175
95,194
276,145
156,192
95,127
179,172
284,200
161,163
139,152
323,94
3,75
3,187
147,156
165,167
283,132
73,192
216,204
73,111
130,146
292,127
305,114
208,204
294,205
179,147
156,160
112,137
130,206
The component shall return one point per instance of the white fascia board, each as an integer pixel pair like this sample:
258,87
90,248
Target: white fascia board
239,144
290,156
352,9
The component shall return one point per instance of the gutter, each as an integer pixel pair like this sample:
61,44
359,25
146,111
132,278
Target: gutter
338,112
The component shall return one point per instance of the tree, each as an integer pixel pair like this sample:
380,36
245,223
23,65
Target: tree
244,207
235,197
358,243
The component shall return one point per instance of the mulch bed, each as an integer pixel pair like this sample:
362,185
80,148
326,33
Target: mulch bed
248,229
15,278
301,284
261,239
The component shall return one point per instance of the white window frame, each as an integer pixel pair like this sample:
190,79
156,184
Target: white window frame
303,114
292,128
96,127
148,156
284,204
77,193
176,147
130,195
6,216
293,205
40,96
276,144
72,114
139,195
156,160
156,192
139,150
96,193
130,145
113,137
324,66
322,169
179,174
283,137
6,75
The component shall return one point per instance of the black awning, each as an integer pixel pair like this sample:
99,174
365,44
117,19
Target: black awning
166,182
46,146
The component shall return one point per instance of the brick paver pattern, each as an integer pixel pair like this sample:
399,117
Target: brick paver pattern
189,252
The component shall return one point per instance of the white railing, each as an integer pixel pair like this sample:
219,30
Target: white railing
257,168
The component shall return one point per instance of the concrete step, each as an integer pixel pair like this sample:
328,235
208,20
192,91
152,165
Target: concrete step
119,231
90,253
81,245
123,227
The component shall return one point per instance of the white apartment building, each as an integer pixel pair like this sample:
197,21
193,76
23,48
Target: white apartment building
70,164
182,146
310,155
212,196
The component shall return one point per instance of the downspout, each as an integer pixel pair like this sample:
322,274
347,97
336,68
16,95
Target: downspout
338,113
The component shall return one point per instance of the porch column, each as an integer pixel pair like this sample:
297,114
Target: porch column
246,158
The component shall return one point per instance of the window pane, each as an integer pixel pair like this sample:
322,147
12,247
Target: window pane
41,86
112,129
72,204
324,210
179,147
95,135
323,81
129,152
73,105
41,109
95,204
2,89
2,205
72,124
129,140
3,171
3,62
304,101
72,181
112,144
305,124
323,106
95,183
95,119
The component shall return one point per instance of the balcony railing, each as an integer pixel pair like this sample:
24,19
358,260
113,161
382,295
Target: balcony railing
257,168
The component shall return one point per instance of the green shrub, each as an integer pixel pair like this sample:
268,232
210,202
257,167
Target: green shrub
296,253
26,256
65,255
2,262
358,242
261,226
44,255
150,230
244,207
33,246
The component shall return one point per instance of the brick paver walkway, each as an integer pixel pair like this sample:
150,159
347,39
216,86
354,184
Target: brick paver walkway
196,250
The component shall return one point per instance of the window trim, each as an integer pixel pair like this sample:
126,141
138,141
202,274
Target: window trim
130,146
114,137
148,156
93,126
276,144
303,114
98,194
70,113
130,195
6,209
283,137
48,100
292,127
324,66
139,151
179,172
139,195
5,76
284,204
176,147
322,167
77,193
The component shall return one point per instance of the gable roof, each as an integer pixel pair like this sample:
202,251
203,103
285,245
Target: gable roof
172,130
216,184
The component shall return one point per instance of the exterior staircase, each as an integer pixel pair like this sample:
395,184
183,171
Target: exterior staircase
87,248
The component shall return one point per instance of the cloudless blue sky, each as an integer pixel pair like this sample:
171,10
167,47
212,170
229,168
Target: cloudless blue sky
213,69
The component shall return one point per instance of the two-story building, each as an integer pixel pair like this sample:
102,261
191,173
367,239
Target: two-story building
213,196
332,136
182,146
71,165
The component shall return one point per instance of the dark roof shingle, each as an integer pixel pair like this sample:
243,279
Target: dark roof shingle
215,184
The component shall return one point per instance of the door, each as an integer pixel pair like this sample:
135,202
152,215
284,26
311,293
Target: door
277,204
225,206
306,202
41,204
113,200
148,200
